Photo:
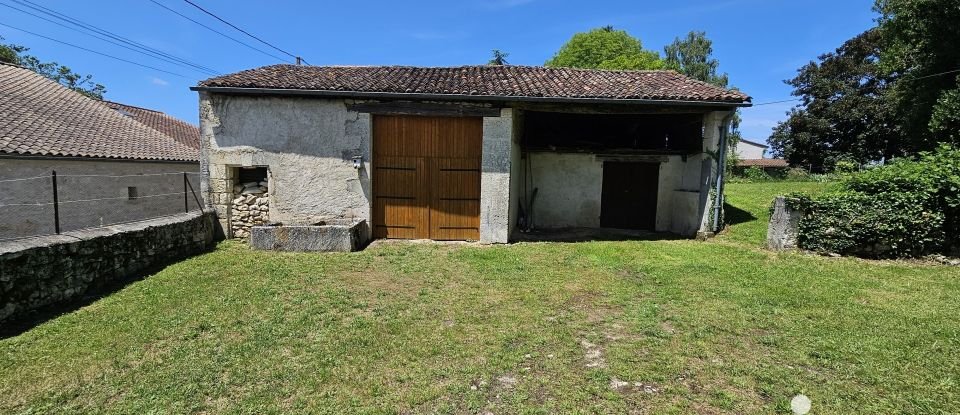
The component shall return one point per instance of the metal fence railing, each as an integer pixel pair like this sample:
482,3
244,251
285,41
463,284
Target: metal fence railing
56,203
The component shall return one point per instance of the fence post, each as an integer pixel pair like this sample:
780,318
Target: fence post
56,203
186,202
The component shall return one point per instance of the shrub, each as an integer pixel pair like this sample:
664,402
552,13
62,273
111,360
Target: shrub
906,209
797,174
846,166
755,174
889,225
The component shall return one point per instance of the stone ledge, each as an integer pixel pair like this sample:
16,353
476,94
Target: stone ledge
342,237
87,234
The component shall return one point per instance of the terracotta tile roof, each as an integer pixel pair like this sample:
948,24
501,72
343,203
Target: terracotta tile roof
762,163
507,81
179,130
41,117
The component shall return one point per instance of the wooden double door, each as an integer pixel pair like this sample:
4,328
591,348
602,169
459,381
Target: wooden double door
426,177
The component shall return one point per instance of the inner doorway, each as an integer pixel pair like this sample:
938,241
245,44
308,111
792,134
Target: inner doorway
628,198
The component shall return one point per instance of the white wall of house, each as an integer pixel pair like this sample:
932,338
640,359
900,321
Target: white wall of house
87,199
569,191
747,150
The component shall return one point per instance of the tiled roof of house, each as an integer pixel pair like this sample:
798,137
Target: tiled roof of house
181,131
42,118
507,82
754,143
762,163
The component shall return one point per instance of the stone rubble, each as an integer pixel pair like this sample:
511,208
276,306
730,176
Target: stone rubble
250,207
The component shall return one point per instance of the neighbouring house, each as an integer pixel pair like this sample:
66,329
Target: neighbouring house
114,163
753,154
748,150
464,153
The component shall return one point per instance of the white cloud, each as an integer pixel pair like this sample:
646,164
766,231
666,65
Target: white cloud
157,81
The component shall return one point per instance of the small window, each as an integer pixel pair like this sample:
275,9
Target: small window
132,193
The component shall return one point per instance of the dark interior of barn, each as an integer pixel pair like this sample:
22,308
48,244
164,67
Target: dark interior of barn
619,133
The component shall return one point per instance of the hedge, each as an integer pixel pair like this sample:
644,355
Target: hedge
909,208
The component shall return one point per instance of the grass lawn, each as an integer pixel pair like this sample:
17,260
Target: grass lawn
599,327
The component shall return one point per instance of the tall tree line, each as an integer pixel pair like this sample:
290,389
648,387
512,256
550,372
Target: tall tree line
889,92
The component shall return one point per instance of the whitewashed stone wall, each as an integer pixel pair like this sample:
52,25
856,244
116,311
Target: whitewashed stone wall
308,146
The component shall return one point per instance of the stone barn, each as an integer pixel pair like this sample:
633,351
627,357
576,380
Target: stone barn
464,153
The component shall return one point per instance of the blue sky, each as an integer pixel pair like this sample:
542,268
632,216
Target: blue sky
759,42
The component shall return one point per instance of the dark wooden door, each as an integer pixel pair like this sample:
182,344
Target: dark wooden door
426,177
628,198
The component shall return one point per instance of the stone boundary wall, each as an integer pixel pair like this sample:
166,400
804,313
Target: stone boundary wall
783,226
44,271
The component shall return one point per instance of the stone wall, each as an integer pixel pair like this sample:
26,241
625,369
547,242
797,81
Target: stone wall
308,146
101,186
495,194
45,271
251,207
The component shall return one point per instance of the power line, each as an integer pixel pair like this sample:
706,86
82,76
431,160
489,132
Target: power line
92,28
898,80
111,41
776,102
241,30
93,51
932,75
218,32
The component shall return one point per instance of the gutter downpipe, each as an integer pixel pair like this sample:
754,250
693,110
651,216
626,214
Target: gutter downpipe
721,168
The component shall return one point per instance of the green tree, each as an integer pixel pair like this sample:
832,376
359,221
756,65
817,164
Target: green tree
945,120
693,56
845,110
605,48
499,58
84,84
920,45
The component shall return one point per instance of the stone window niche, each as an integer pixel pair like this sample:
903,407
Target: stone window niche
250,205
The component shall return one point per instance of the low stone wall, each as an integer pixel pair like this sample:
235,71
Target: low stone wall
45,271
783,226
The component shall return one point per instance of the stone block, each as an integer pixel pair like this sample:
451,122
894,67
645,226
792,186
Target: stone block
220,171
345,237
220,186
783,226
